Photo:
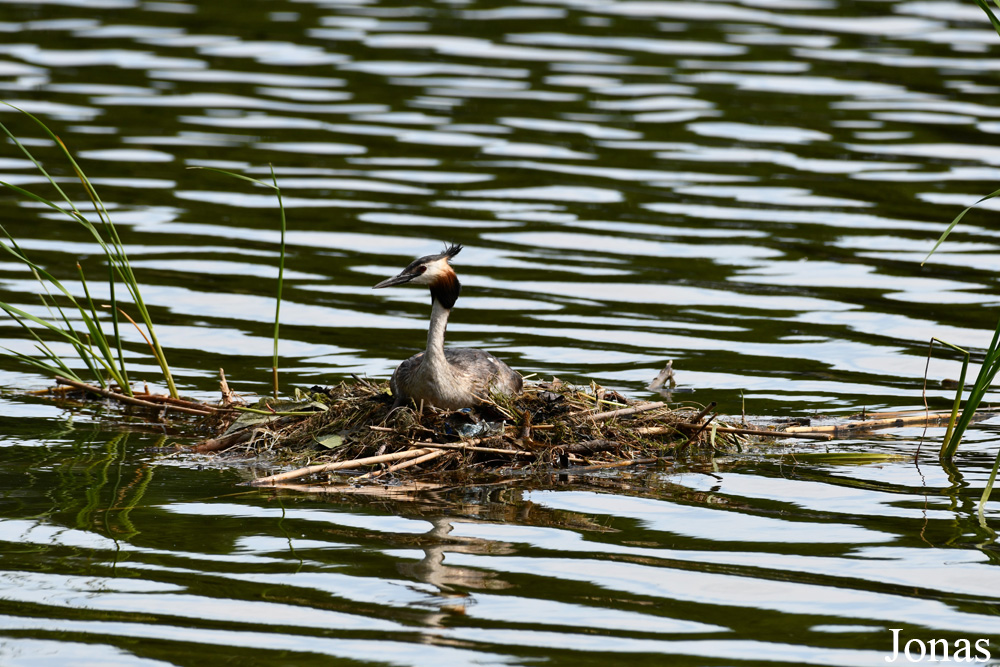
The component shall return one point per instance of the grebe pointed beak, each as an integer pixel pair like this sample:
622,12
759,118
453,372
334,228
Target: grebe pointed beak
400,279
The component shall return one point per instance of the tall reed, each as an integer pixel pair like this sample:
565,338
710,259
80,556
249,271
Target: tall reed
281,261
94,347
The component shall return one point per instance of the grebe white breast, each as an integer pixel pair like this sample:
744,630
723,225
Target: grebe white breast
452,378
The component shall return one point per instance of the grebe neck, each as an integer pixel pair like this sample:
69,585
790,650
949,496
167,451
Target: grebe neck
436,331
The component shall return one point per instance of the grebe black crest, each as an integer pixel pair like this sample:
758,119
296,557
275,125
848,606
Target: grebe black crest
451,378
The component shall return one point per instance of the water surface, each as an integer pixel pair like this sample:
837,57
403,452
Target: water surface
747,189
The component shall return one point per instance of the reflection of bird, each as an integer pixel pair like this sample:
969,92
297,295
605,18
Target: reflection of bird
454,378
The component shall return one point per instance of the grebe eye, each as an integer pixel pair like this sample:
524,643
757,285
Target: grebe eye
420,269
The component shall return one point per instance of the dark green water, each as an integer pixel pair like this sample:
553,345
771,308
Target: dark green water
747,189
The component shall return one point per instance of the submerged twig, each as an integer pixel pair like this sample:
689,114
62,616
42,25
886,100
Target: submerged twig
616,464
870,424
222,442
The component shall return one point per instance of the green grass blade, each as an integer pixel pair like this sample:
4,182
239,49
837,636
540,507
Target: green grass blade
18,313
46,351
60,365
51,371
97,334
954,222
281,280
976,394
281,262
118,337
74,213
37,198
91,192
989,12
31,157
54,358
989,486
946,442
112,247
72,339
240,176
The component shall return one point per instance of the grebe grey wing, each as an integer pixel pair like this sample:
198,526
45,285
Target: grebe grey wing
485,369
402,378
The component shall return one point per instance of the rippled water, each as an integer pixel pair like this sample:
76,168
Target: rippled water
745,188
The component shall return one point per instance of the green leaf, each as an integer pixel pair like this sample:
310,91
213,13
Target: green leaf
330,441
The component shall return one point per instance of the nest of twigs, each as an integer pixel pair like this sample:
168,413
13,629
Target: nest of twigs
352,432
351,429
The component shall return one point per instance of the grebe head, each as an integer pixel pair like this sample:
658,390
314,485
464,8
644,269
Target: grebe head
433,271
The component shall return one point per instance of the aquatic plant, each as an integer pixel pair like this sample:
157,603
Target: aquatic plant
281,260
103,355
991,364
949,443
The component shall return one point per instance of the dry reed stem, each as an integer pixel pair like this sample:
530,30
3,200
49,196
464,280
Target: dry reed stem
163,398
228,397
49,390
405,464
611,414
462,447
107,393
466,445
868,425
340,465
663,430
700,427
704,411
914,413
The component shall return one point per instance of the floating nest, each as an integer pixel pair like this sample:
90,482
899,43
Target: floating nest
347,439
350,430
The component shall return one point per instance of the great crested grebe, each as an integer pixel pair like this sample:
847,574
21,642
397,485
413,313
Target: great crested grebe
457,377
